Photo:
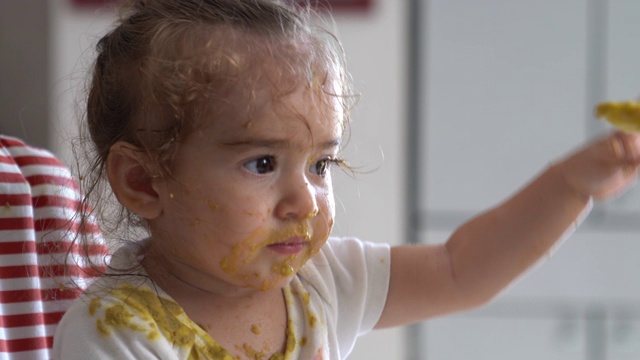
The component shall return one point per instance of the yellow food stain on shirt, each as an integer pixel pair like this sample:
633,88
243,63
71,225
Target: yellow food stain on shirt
102,329
306,298
117,315
141,310
313,320
623,115
7,206
303,341
291,338
94,305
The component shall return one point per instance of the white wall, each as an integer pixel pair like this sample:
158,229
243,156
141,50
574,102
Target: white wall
23,70
372,205
73,36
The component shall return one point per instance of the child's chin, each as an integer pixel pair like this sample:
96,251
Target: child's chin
274,283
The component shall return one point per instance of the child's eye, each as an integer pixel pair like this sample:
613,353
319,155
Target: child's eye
321,167
261,165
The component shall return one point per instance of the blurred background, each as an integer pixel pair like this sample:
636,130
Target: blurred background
462,102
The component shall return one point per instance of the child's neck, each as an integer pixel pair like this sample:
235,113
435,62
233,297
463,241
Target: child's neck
243,321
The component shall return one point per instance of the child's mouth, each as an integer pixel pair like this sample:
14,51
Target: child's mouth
289,247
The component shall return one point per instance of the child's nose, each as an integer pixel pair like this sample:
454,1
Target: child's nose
298,200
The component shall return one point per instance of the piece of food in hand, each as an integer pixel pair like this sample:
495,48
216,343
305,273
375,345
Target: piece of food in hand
624,115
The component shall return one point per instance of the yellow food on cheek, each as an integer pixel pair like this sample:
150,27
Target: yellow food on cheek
284,269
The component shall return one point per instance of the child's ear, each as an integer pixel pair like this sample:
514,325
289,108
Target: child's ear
127,170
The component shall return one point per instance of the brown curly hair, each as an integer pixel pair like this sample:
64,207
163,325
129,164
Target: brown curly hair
169,63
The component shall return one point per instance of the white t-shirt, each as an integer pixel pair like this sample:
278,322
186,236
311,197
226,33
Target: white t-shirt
337,296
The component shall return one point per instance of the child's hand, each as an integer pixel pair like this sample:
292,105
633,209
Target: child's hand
605,167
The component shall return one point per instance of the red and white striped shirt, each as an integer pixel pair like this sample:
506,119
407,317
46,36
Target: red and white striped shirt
38,206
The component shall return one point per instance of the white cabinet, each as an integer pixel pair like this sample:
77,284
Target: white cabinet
622,54
537,329
622,81
522,336
508,86
623,335
504,93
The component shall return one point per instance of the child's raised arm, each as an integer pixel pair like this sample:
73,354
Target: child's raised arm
488,252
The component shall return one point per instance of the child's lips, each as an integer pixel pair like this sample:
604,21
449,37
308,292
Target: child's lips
290,246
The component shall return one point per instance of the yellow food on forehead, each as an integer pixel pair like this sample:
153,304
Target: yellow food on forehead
623,115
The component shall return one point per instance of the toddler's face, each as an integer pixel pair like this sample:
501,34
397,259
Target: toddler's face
251,198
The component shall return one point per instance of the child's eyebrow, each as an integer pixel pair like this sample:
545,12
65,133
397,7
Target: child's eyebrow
276,143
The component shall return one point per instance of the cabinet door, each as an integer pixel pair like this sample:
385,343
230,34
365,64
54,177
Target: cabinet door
623,334
622,62
504,94
506,336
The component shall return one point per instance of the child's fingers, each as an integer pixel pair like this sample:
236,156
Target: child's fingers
625,148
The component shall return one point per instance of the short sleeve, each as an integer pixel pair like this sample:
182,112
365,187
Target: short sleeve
353,279
79,336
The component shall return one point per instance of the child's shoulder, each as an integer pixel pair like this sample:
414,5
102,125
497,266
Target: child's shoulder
118,322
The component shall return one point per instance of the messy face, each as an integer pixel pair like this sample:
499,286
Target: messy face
250,198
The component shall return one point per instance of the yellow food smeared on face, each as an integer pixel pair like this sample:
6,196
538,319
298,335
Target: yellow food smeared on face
311,214
283,268
251,213
255,329
212,205
246,251
142,310
252,353
623,115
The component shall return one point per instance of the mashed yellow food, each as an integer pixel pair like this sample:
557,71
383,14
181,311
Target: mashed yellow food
623,115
